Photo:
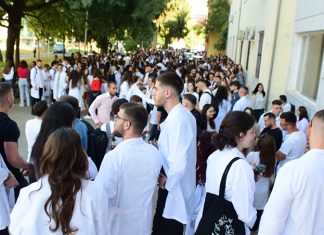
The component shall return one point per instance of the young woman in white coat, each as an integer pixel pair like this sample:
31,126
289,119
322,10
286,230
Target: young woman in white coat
235,134
63,200
265,154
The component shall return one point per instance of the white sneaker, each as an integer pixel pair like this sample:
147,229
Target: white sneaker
87,117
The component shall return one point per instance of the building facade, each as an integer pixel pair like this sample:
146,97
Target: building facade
280,44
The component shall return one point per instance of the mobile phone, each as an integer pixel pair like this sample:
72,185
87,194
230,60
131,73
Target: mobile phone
259,169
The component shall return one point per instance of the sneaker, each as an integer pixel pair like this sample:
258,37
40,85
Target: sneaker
87,117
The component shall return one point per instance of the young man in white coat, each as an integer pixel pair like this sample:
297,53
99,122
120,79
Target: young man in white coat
60,83
37,77
296,204
129,174
177,144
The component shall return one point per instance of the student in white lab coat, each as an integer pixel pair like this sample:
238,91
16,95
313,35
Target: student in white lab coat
129,174
177,144
60,83
63,200
243,102
236,133
296,203
7,179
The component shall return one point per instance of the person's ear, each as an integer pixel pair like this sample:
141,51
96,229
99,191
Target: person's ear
309,129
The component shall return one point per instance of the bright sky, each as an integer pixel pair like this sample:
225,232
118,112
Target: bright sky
198,7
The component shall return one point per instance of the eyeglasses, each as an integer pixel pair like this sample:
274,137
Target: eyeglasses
117,117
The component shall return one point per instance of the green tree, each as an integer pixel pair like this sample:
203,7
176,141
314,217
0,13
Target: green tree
217,21
17,9
172,23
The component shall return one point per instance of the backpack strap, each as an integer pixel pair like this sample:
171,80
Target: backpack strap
223,181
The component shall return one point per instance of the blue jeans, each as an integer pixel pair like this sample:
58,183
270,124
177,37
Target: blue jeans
24,90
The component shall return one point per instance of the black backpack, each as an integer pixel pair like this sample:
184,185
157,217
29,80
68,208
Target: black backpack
99,143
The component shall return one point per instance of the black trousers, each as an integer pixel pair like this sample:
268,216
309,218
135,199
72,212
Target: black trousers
4,232
34,100
161,225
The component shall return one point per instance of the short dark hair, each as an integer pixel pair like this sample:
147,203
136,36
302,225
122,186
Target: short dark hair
270,115
116,105
111,82
319,115
191,98
137,115
232,126
283,98
289,117
171,79
39,108
73,102
235,83
203,81
135,99
5,88
276,102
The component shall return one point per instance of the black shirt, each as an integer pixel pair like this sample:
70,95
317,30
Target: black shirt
164,114
276,134
9,132
199,121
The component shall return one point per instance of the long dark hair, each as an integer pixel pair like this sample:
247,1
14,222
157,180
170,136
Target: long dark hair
66,164
232,126
204,118
302,113
74,77
204,149
256,89
221,95
267,147
58,115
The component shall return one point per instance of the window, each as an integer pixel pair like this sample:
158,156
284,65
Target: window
257,69
311,57
248,56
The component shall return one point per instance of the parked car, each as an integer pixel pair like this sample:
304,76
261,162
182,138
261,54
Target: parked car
59,47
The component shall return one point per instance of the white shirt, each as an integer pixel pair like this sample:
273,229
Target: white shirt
293,147
262,186
296,204
302,125
32,129
89,215
223,108
258,101
239,187
286,107
10,75
177,144
241,104
124,88
129,181
60,85
205,99
4,199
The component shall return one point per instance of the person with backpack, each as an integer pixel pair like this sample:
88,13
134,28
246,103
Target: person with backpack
206,97
130,179
229,180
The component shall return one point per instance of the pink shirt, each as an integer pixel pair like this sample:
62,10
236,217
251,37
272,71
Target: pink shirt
103,105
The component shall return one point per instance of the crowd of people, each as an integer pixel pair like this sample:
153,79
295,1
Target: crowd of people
185,128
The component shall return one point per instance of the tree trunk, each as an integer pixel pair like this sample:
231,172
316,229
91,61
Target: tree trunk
1,58
14,20
103,44
17,55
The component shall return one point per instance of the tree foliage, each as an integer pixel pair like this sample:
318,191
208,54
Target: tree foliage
217,21
172,23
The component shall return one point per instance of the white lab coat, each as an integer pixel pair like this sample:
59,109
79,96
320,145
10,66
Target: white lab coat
177,144
4,196
89,215
241,104
129,174
37,77
296,204
60,85
240,185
